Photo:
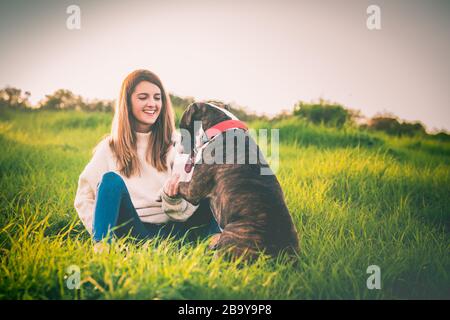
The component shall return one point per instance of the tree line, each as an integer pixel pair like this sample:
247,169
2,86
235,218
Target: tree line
322,112
61,99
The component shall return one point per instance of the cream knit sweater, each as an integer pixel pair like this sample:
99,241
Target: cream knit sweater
146,189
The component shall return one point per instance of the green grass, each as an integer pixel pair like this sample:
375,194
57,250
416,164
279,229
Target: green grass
357,199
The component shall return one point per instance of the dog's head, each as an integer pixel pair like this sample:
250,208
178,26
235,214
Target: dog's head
197,118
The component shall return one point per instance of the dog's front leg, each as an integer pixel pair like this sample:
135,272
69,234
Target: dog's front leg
199,186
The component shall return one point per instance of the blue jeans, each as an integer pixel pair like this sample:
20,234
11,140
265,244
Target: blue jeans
115,215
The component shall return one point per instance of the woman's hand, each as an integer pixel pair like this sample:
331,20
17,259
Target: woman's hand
171,186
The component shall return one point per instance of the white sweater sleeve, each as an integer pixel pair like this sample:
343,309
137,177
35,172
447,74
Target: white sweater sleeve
87,184
177,209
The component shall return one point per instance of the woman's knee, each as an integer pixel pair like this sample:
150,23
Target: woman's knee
112,180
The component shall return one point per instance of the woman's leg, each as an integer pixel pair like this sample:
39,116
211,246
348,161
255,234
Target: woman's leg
115,213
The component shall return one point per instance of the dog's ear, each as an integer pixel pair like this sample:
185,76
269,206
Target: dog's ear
187,120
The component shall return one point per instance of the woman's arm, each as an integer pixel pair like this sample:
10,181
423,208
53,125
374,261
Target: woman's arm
177,208
87,184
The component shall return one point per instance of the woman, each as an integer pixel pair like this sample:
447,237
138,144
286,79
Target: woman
128,186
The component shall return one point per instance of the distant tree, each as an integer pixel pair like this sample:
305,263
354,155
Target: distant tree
441,136
14,98
386,123
98,105
412,128
282,115
330,114
62,100
179,102
391,125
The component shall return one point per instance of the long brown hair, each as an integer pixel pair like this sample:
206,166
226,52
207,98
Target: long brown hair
123,136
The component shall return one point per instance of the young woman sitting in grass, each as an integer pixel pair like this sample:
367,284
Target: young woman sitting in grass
128,186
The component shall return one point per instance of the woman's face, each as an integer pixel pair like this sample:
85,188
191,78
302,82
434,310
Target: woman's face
146,104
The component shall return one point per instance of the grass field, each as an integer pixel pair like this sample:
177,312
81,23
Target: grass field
357,199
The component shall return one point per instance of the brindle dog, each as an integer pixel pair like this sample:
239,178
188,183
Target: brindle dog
249,207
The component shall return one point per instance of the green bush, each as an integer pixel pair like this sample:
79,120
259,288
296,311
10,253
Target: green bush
391,125
324,112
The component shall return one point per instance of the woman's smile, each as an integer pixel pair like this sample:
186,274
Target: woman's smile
150,112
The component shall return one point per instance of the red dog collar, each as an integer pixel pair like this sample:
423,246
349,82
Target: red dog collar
214,131
224,126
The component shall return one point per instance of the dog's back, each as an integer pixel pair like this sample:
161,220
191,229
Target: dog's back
249,205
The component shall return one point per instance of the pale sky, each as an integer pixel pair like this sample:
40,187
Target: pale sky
264,55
